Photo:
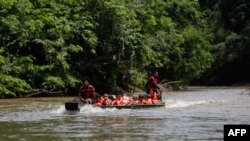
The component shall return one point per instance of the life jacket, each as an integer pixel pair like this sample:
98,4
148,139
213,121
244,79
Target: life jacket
105,102
116,102
148,101
153,96
141,101
145,101
98,102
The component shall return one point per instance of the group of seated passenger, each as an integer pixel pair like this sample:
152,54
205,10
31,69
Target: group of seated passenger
121,99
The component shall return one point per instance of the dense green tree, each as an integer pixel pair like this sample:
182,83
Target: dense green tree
229,22
175,31
53,44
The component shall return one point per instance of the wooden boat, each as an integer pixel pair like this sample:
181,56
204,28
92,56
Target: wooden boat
75,106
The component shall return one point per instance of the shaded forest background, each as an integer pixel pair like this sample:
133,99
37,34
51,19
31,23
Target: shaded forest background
51,45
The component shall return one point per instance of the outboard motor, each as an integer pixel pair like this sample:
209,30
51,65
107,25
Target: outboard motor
72,106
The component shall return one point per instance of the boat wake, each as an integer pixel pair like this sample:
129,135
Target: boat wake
182,104
90,109
59,110
86,109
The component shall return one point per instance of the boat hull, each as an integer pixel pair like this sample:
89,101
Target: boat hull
74,106
137,106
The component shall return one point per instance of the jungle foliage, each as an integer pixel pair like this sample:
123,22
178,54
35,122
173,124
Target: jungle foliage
228,21
54,44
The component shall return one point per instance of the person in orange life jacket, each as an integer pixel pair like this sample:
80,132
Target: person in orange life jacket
112,98
147,100
141,99
118,100
106,101
154,95
87,93
98,101
152,84
124,97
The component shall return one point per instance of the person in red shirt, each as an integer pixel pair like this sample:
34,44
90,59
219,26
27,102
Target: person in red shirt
152,84
87,93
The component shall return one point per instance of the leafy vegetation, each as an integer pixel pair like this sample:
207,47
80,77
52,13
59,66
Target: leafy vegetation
229,23
54,44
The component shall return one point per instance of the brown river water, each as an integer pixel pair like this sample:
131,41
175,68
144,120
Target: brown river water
197,114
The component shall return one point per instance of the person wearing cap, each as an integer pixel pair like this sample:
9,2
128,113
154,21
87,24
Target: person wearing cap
87,93
118,100
112,99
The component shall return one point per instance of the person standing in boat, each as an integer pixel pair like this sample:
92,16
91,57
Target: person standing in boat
152,85
87,93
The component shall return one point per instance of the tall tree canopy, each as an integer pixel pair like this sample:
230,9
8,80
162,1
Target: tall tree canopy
228,21
53,44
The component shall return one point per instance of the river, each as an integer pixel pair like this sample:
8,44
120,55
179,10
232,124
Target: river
197,114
